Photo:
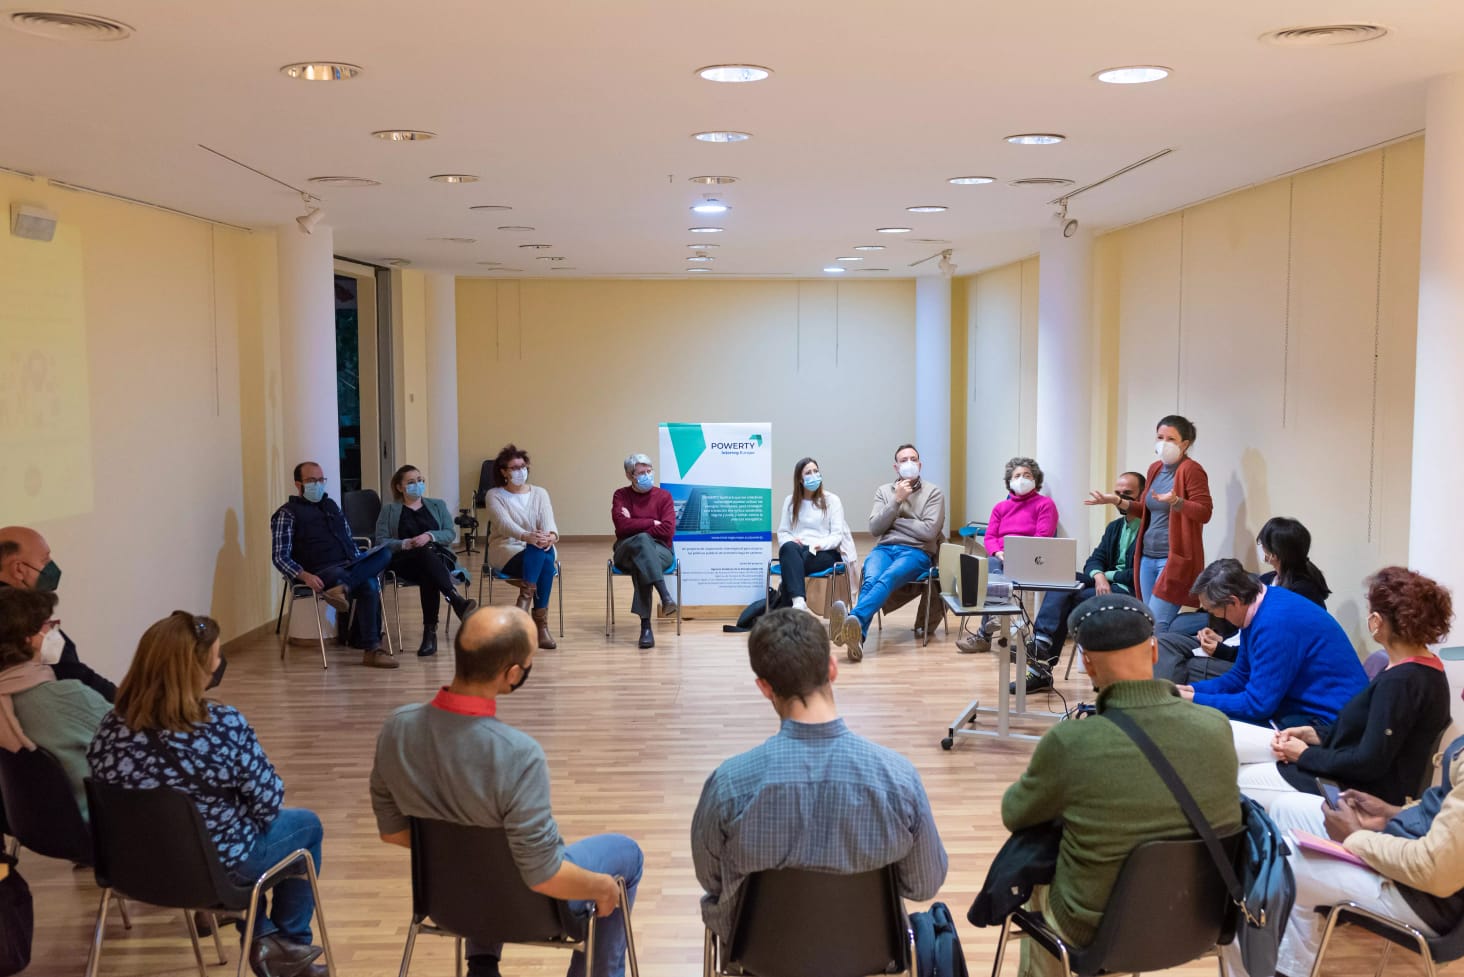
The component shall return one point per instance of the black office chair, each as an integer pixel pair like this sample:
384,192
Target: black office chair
1432,950
798,923
465,881
151,845
361,508
1168,907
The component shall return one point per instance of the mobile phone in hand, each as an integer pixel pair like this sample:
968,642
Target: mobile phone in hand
1331,792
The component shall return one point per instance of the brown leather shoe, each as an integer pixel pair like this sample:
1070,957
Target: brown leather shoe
275,956
337,597
378,658
541,621
525,601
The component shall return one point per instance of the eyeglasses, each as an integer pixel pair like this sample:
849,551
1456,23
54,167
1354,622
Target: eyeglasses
314,481
515,468
51,625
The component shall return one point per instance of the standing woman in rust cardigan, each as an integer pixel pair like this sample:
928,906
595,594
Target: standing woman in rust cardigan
1173,512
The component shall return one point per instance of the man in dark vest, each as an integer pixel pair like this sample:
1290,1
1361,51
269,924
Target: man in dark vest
313,545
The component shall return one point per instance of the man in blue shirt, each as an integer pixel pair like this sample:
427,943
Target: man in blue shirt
815,796
1295,666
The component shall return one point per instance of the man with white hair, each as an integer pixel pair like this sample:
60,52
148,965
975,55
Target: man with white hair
645,527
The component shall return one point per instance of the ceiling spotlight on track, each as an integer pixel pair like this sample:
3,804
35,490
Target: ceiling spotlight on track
312,216
946,265
1069,225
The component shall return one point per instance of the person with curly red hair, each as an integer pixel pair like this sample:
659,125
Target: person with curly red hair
1384,738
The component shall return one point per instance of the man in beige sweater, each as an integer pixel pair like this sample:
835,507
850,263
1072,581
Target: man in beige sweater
1414,856
907,523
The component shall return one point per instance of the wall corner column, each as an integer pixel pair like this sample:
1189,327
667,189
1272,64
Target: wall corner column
933,379
442,399
310,414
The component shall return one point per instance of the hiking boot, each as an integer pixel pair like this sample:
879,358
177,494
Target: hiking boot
1039,679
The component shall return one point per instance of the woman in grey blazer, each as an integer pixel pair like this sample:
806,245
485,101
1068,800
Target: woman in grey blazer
420,532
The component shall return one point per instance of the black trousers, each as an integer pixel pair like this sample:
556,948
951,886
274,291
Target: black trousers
647,561
797,561
427,568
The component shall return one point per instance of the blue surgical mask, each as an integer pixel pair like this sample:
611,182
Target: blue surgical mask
644,481
812,482
415,490
314,491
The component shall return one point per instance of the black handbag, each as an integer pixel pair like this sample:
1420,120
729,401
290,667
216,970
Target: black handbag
17,919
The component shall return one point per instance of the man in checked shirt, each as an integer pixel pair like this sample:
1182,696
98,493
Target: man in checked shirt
815,796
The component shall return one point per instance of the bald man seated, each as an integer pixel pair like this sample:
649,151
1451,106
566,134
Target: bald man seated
451,759
26,564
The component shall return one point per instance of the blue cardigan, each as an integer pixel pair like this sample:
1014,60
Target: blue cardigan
1294,661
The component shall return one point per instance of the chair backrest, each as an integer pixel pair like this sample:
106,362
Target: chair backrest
465,879
361,509
41,808
151,846
798,923
1168,907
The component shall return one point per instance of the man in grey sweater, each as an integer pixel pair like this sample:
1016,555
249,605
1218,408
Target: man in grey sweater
907,522
451,760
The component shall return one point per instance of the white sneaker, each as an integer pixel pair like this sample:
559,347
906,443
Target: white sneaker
838,612
800,604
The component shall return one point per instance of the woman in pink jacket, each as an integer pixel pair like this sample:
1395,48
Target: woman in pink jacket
1024,512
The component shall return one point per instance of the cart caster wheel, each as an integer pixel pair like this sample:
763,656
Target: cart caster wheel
947,743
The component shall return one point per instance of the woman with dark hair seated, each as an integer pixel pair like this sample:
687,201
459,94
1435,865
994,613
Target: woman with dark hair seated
1384,738
521,536
164,733
37,710
1284,545
419,531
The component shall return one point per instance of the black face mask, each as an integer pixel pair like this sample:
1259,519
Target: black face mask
515,686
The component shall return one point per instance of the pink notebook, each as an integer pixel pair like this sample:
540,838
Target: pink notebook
1325,846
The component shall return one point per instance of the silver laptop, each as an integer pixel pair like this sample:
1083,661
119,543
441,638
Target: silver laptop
1038,560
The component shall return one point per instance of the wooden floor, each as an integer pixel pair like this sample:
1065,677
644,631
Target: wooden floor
630,735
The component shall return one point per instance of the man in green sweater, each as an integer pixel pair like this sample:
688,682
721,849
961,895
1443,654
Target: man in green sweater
1090,774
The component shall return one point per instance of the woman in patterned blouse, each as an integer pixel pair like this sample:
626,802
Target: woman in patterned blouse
164,733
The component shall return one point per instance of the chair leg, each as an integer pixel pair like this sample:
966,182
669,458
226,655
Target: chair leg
287,609
251,920
330,967
458,954
218,940
411,945
1001,944
559,572
94,961
629,933
280,615
122,909
678,602
590,947
320,633
767,589
1327,932
396,606
609,595
1383,960
709,954
197,947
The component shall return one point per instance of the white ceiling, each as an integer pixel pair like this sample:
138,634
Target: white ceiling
578,114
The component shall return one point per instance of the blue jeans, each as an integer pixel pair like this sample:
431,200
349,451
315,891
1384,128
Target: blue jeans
362,579
292,903
1050,629
885,568
612,855
1164,612
534,566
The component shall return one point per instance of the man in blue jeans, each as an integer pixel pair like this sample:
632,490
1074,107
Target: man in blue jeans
312,545
451,760
908,523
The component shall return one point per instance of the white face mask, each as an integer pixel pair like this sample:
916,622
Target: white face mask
1261,554
518,476
1021,486
1167,451
52,646
909,469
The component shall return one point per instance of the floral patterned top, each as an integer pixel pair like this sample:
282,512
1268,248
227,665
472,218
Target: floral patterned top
226,773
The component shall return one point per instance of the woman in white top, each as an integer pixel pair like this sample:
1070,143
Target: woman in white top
522,534
812,535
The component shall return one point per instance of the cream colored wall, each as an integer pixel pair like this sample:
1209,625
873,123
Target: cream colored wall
580,373
182,353
1001,378
1281,320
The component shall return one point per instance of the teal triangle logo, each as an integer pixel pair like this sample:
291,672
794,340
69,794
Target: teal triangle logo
688,443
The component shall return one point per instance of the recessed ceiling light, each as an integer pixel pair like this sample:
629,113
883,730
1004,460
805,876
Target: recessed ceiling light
1134,74
927,209
455,240
536,247
1324,35
1035,139
487,207
966,181
710,206
703,247
699,270
835,270
549,257
453,178
706,230
700,257
893,230
714,180
1041,181
345,181
514,227
62,26
322,70
734,73
871,269
398,262
404,135
849,258
721,135
869,247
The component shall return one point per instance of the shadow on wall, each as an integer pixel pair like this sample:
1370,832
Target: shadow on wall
229,602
